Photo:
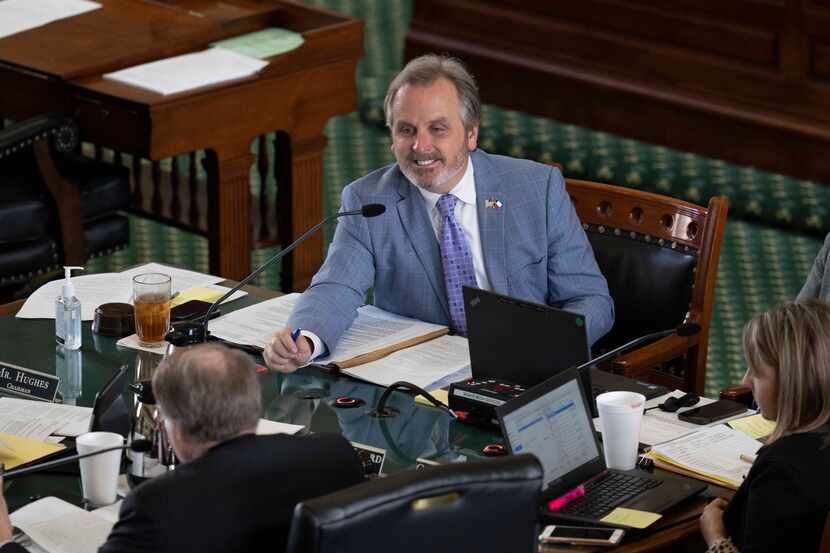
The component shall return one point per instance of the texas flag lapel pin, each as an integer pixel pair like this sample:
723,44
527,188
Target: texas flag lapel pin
492,203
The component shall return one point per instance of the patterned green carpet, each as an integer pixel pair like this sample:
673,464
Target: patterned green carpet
767,252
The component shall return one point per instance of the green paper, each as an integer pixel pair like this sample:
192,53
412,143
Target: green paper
263,44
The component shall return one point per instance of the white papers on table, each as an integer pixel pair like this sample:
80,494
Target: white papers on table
427,365
39,419
430,364
93,290
254,325
60,527
266,426
17,16
659,426
375,329
189,71
714,452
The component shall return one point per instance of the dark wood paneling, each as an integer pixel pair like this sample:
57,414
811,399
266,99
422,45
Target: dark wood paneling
743,80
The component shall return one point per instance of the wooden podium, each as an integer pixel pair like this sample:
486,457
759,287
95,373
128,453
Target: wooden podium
59,67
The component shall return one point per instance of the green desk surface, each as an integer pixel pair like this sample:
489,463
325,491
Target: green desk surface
305,397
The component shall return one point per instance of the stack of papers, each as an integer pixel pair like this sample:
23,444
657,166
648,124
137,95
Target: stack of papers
56,526
16,451
39,420
660,426
93,290
712,454
189,71
17,16
380,347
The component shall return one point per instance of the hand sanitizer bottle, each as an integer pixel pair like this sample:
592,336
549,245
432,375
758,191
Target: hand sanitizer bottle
68,314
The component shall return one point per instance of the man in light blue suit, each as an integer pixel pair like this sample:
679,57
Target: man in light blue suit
454,216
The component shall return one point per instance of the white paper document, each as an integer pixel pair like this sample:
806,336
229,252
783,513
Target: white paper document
39,419
254,325
266,426
17,16
714,451
375,329
189,71
660,426
60,527
93,290
427,365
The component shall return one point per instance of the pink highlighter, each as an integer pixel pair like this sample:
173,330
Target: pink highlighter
559,502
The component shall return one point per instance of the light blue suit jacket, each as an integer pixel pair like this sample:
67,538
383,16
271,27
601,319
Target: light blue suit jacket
534,248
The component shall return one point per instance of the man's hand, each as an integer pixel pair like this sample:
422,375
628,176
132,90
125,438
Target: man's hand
284,355
711,521
5,523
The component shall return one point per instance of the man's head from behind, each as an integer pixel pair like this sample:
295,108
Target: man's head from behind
207,394
432,110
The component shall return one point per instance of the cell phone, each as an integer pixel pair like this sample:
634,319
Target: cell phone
706,414
581,535
191,310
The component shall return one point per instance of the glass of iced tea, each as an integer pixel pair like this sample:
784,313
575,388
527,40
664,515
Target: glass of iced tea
151,298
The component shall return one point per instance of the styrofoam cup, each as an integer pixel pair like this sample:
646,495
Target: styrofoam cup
99,473
620,415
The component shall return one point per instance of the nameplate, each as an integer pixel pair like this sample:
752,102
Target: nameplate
371,458
28,383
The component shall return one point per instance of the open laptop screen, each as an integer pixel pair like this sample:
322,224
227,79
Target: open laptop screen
551,421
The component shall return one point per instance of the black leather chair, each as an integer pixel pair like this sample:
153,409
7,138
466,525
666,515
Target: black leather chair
57,207
660,257
478,506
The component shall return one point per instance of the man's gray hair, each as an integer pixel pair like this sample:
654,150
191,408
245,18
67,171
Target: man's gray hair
210,391
425,70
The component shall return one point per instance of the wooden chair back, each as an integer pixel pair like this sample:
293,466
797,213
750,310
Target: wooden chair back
660,256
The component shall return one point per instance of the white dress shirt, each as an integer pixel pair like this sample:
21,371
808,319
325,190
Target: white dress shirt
466,213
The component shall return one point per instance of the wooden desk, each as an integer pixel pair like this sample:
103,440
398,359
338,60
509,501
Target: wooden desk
678,531
59,67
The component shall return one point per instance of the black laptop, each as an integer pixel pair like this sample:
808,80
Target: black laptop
519,341
526,343
553,422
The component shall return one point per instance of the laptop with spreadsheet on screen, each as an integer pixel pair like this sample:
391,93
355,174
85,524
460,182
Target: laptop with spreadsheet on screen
552,422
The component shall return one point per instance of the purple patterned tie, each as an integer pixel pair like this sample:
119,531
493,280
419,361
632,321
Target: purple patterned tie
457,260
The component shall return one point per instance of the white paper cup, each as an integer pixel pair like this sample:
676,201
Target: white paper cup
620,415
99,473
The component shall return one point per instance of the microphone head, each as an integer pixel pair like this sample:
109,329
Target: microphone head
141,446
372,210
688,329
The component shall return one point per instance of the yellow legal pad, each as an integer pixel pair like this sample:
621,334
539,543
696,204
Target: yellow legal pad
24,450
754,426
631,517
197,293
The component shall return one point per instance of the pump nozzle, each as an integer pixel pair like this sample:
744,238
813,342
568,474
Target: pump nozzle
69,288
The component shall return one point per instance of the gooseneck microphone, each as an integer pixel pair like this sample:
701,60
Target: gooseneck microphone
138,446
196,331
686,329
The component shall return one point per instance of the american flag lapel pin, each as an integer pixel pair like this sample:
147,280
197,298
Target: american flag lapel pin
492,203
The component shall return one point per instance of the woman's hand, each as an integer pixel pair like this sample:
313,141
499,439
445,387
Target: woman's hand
711,521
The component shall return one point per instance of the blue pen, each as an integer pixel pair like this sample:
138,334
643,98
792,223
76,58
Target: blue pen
296,334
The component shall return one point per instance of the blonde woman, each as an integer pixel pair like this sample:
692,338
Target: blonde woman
783,503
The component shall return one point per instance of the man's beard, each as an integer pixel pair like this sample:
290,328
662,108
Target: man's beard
431,182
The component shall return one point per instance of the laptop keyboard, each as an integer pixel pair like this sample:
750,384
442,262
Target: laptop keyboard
606,492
